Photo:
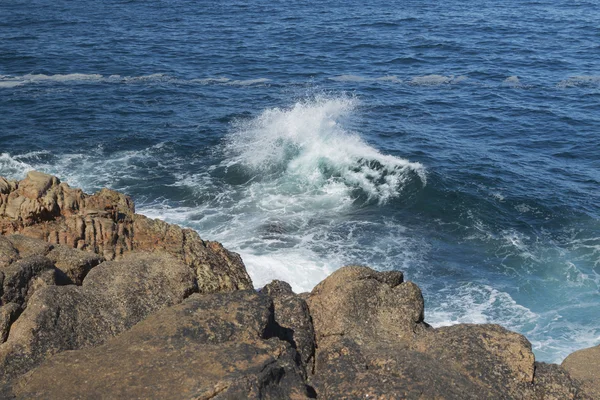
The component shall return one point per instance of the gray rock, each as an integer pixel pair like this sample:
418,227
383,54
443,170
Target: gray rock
8,314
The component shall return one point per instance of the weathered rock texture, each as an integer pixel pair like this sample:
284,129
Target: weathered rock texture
584,366
221,346
372,342
42,207
114,296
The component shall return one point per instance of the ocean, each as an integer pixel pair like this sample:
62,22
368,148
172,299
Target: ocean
456,141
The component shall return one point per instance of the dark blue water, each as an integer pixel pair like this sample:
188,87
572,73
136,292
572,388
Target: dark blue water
458,142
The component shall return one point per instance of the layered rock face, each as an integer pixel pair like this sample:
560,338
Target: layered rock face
129,307
42,207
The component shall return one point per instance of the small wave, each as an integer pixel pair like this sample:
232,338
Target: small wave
14,81
580,81
357,78
436,80
249,82
513,82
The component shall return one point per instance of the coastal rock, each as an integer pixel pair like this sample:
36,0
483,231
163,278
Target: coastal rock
584,366
114,296
105,223
554,383
372,342
365,305
74,264
221,346
292,315
8,314
217,268
22,278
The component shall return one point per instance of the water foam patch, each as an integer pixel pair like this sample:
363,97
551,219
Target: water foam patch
308,147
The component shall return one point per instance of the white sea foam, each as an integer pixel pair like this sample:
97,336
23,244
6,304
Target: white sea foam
248,82
513,82
436,80
358,78
580,80
309,148
479,304
348,78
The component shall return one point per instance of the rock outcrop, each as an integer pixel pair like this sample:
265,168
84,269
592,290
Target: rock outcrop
105,223
584,366
114,296
99,302
213,346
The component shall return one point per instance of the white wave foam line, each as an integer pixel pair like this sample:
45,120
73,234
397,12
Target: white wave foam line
357,78
249,82
14,81
479,304
436,80
513,82
580,80
307,147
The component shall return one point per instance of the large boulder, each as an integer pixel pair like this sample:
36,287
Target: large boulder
105,223
372,342
584,366
221,346
114,296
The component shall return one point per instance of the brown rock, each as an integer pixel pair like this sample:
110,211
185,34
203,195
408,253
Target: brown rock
114,296
292,315
105,223
74,264
488,355
584,366
26,246
372,343
8,314
361,303
213,346
554,383
22,278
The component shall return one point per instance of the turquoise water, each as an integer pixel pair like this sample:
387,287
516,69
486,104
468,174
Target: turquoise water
458,143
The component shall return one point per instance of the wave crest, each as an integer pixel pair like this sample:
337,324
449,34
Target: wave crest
308,147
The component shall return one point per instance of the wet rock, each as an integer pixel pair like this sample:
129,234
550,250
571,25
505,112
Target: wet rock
584,366
292,315
114,296
212,346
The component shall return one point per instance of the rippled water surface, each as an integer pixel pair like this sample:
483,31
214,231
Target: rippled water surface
458,143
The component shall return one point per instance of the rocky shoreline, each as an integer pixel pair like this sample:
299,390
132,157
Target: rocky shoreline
97,301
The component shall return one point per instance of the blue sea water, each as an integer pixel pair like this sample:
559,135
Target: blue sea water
456,141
